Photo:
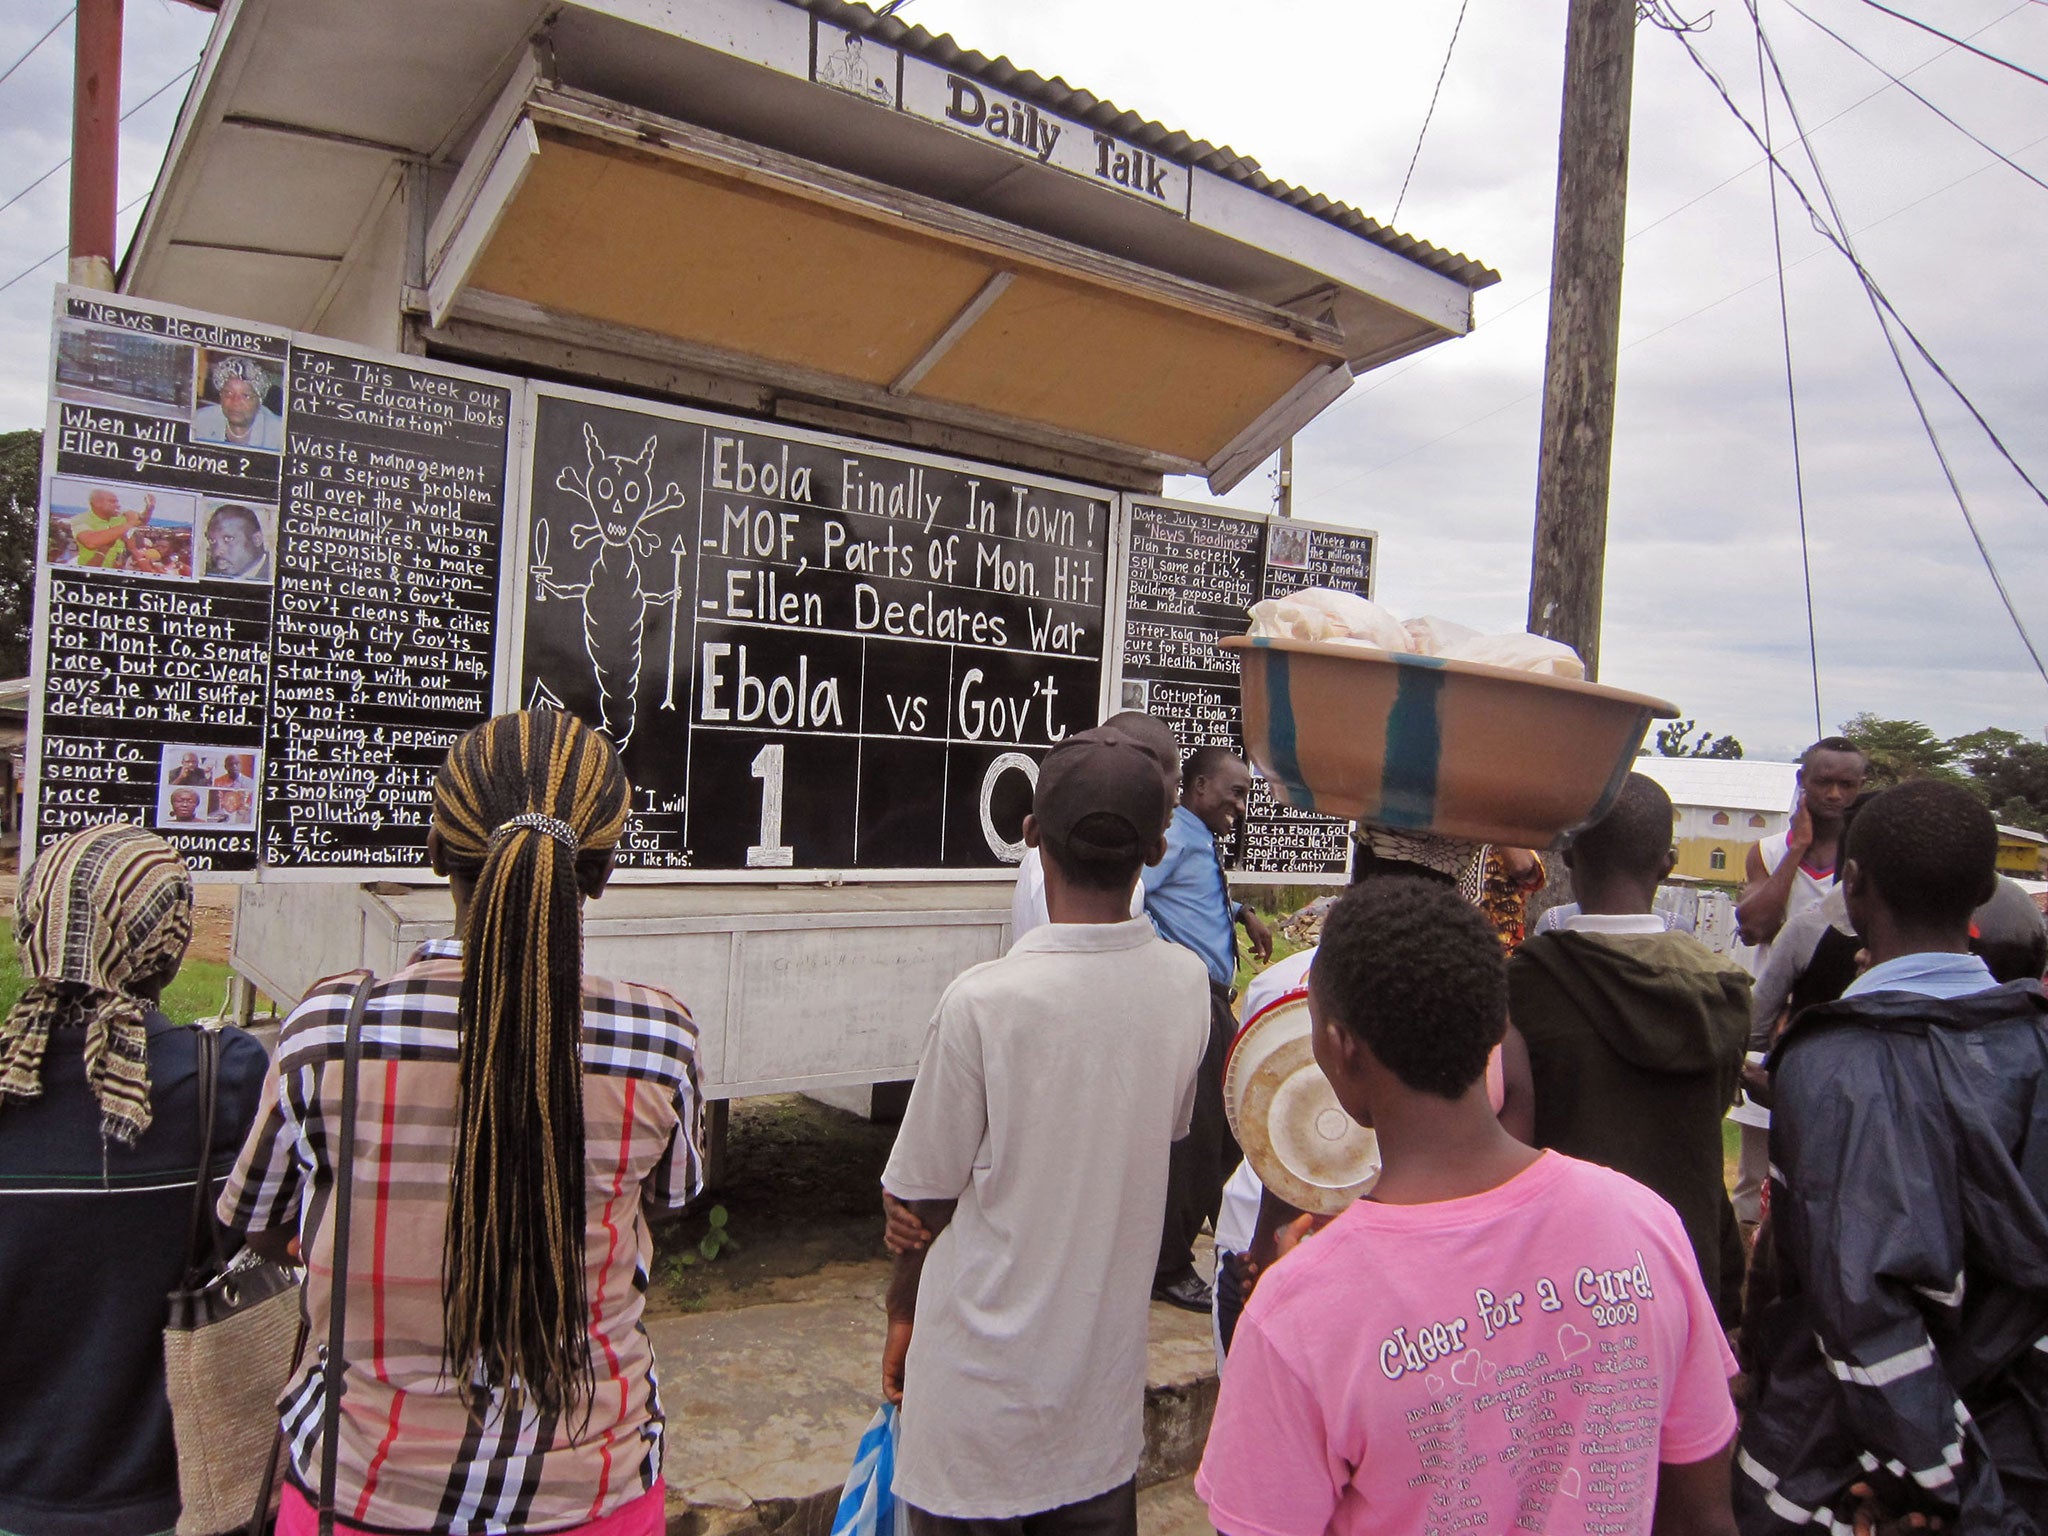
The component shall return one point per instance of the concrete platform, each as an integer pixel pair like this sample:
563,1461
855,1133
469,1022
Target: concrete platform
766,1402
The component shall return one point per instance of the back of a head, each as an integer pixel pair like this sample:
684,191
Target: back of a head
1929,851
102,918
2008,932
1633,839
520,800
1417,973
1099,805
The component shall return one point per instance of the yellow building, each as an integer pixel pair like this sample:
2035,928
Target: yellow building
2022,854
1719,807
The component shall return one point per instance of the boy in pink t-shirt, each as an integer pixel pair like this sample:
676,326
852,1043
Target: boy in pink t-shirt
1496,1339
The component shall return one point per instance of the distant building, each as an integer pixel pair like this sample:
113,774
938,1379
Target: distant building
2022,854
1719,807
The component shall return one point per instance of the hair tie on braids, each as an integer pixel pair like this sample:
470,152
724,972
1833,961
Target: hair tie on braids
556,828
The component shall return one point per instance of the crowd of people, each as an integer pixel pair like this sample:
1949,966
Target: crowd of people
1547,1314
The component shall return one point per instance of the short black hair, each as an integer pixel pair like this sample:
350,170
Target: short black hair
1417,973
235,512
1931,851
1634,837
1203,762
1832,744
1100,856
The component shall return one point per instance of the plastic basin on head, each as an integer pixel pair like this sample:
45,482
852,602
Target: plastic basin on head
1422,744
1286,1117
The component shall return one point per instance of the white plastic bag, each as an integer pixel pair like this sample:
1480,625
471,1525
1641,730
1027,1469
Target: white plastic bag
1521,653
1432,636
1317,613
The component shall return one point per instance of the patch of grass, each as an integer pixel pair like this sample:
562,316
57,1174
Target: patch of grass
195,994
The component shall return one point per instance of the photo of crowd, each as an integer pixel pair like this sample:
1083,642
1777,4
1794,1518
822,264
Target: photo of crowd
207,787
93,526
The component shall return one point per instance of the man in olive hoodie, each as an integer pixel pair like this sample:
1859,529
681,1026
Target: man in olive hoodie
1635,1034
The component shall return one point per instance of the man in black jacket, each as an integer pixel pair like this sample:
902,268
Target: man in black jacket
1903,1364
1636,1034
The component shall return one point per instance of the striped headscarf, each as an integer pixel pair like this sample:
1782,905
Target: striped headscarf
100,910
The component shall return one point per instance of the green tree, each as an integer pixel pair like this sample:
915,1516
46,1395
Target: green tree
2010,772
1899,750
21,471
1672,742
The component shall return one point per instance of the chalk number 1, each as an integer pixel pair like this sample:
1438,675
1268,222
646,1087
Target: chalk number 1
771,852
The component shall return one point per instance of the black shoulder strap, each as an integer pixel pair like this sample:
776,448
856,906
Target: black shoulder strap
206,1048
337,1304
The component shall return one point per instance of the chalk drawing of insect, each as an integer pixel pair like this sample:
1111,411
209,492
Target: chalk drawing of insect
620,495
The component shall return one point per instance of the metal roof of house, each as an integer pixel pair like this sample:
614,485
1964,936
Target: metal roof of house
1056,94
1724,784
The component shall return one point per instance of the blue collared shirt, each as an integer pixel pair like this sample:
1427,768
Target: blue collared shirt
1187,899
1930,973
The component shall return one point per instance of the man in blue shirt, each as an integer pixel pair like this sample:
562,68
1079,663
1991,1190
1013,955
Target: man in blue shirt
1189,902
1901,1361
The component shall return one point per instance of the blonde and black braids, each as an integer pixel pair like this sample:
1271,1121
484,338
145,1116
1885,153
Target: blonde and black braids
520,800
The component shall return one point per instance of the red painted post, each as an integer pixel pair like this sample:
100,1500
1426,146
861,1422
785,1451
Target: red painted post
95,142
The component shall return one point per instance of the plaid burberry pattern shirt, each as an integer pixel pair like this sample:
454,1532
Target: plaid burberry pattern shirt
411,1456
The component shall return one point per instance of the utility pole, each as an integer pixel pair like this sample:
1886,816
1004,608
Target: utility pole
95,142
1285,506
1585,318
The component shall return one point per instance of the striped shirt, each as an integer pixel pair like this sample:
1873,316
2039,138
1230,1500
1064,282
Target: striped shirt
411,1456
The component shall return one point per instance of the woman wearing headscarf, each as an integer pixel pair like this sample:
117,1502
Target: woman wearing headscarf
99,1150
515,1117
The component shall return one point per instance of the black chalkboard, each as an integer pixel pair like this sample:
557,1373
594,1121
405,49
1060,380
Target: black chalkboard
387,592
158,529
812,652
1193,573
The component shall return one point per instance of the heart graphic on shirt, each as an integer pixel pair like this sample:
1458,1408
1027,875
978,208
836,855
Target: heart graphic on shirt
1572,1342
1435,1383
1489,1370
1568,1482
1465,1369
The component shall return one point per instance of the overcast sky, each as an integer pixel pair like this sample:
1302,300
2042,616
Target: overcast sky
1704,596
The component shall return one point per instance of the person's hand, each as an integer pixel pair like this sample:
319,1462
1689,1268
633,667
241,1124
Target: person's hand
1755,1078
1799,837
1870,1518
895,1350
902,1232
148,506
1261,936
1295,1233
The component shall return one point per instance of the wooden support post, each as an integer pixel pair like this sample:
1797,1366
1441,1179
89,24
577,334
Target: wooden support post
1585,317
95,142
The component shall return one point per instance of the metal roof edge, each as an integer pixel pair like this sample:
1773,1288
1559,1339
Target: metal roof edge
1071,101
198,95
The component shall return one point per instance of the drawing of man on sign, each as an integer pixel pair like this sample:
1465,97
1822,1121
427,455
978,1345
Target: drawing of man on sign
846,69
620,496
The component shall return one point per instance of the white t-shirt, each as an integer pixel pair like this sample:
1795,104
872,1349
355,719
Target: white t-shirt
1052,1084
1808,891
1027,901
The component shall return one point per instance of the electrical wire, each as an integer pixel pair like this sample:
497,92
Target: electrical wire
1793,7
32,47
1417,155
1958,42
53,170
1791,388
1837,236
27,271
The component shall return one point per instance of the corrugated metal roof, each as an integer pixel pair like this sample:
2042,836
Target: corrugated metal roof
1724,784
1085,106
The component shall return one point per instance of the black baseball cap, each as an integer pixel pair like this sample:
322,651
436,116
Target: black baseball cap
1105,774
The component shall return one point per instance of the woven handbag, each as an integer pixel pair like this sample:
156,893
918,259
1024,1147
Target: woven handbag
233,1335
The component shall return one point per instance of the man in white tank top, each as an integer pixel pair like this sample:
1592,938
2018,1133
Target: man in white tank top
1786,874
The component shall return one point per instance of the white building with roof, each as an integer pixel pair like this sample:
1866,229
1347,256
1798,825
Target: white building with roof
1719,807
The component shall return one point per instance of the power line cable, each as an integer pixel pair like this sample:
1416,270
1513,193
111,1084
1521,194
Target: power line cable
26,271
2017,69
1882,307
1794,7
53,170
32,47
1791,389
1417,155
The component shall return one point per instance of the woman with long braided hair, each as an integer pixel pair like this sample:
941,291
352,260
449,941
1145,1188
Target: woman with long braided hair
513,1116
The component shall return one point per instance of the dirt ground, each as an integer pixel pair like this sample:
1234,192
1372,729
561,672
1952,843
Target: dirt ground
802,1191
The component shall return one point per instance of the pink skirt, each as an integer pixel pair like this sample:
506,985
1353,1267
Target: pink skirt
645,1516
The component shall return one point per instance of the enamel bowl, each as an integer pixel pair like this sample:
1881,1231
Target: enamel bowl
1421,744
1294,1133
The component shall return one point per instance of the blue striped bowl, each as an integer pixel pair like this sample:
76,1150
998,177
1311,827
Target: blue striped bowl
1418,743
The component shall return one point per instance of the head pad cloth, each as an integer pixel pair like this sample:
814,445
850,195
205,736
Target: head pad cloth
98,911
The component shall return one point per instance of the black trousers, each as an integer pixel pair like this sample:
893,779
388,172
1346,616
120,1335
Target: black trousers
1114,1513
1204,1159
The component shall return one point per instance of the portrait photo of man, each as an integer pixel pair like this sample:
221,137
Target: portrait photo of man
236,547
